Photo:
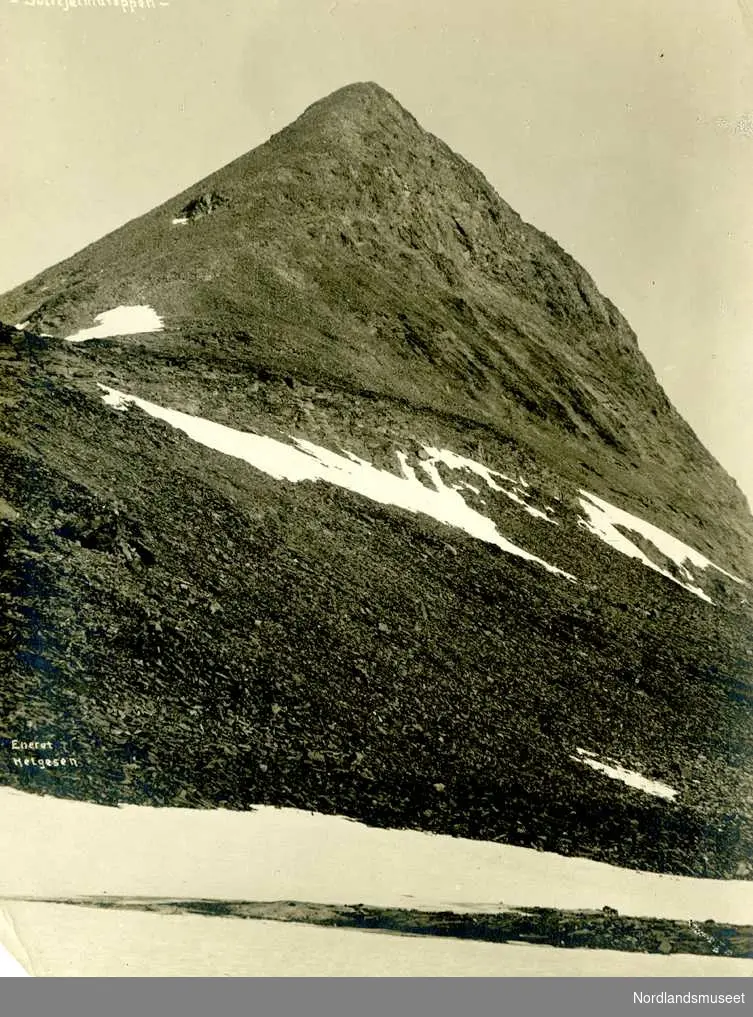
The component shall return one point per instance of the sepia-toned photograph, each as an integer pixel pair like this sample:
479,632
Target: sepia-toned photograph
376,551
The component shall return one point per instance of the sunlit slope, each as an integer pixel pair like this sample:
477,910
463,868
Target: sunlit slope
355,246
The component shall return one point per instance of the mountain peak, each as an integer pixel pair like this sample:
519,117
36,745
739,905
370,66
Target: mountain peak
352,108
361,95
355,246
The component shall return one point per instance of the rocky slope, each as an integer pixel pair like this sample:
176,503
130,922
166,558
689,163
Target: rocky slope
341,616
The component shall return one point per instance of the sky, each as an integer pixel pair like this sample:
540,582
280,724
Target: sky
624,130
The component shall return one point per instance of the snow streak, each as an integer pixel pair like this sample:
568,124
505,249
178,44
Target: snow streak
603,521
304,460
630,777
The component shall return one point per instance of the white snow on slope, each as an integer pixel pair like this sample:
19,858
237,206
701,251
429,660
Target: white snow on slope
629,777
456,462
603,520
288,854
115,399
180,220
21,325
120,321
306,461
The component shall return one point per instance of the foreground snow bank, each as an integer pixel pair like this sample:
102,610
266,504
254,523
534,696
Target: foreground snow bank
287,854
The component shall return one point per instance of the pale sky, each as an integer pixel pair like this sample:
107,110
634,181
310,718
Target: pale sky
624,129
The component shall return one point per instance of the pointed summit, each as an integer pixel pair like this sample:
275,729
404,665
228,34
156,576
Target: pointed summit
360,96
359,102
361,111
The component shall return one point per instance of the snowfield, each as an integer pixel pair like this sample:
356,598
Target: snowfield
287,854
87,942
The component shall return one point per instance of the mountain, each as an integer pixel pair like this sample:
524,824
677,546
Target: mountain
330,483
355,247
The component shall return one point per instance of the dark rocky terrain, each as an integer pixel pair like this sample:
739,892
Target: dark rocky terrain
197,633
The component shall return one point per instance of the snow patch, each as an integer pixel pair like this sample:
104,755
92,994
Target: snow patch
603,520
132,320
306,461
21,325
180,220
630,777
